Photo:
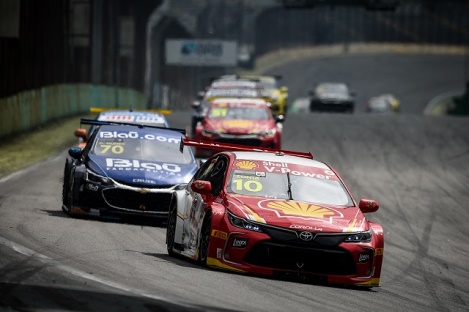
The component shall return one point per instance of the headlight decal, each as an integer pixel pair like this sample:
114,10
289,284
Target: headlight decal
360,237
243,223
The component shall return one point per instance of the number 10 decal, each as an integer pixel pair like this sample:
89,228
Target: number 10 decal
249,185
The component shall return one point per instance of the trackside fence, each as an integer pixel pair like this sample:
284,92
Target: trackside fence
28,110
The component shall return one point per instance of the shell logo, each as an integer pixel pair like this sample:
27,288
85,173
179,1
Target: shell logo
300,209
245,165
237,123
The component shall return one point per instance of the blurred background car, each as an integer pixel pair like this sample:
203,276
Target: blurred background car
278,94
223,87
383,104
239,121
332,97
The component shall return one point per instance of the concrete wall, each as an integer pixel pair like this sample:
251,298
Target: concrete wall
30,109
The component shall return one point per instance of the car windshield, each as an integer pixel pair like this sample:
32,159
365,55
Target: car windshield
380,105
275,185
143,149
241,112
268,85
233,92
332,88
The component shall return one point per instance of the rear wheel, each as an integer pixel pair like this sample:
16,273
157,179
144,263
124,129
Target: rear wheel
205,240
171,227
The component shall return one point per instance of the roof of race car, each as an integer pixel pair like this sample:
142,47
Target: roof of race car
283,158
132,116
234,83
131,130
256,102
233,92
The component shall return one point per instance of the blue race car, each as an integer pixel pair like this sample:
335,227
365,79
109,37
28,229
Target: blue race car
149,117
126,169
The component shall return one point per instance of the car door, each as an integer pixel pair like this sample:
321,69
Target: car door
214,171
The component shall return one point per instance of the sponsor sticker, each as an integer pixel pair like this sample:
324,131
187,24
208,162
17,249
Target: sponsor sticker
283,168
219,234
245,165
240,242
136,135
364,257
92,187
117,163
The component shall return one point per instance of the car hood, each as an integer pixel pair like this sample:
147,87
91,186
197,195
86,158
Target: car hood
297,215
239,126
142,173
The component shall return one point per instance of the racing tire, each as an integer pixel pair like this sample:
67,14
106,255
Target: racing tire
205,240
171,228
66,187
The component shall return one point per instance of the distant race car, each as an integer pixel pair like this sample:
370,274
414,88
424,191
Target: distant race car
241,121
332,97
383,104
380,105
153,118
227,86
275,213
126,169
277,94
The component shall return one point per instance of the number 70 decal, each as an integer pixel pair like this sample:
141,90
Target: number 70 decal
115,149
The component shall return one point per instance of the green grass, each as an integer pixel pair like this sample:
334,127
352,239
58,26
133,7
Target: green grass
23,150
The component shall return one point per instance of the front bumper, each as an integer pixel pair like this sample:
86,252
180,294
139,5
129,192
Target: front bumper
331,106
279,253
121,199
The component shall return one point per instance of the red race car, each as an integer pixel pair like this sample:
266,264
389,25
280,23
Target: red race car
239,121
275,213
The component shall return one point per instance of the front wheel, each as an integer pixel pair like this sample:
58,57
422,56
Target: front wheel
205,240
66,186
171,228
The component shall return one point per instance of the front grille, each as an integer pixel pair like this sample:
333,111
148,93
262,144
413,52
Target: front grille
136,201
330,261
249,142
290,237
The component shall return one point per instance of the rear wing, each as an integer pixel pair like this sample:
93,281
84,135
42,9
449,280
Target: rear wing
104,109
239,147
95,122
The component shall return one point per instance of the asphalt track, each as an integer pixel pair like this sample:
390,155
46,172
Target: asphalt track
415,166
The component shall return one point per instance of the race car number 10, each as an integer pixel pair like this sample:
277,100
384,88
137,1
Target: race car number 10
248,185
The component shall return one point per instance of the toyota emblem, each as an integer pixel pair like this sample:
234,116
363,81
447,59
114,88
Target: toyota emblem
306,236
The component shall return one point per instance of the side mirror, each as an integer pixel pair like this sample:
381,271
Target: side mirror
200,95
202,187
196,104
279,118
75,152
284,89
368,205
81,133
311,93
353,93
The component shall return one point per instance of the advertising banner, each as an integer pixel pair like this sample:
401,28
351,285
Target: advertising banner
201,52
